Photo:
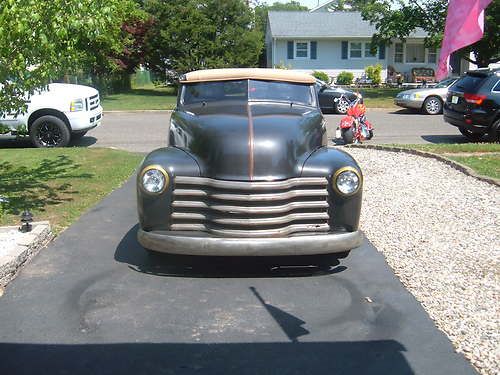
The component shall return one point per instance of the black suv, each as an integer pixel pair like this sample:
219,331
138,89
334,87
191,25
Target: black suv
473,104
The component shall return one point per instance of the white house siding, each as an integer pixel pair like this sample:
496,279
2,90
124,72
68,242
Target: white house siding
329,58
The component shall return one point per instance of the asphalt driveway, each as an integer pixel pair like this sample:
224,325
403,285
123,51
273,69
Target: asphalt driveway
94,302
146,131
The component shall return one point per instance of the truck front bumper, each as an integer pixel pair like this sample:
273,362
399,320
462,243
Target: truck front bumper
84,120
173,243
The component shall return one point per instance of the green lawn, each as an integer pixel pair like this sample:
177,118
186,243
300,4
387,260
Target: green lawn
379,97
152,97
59,184
143,98
486,165
484,158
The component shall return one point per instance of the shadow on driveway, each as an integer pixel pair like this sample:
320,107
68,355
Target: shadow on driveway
131,252
445,138
24,142
407,111
369,357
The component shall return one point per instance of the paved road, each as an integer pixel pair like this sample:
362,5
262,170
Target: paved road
146,131
94,302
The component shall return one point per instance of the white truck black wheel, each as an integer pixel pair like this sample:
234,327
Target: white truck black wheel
49,131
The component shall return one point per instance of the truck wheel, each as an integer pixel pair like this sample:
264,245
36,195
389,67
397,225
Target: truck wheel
49,131
473,137
347,135
432,105
494,132
76,136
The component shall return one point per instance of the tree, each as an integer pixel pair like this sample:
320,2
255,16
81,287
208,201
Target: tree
397,19
261,11
42,40
199,34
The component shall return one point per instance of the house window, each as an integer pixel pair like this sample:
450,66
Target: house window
432,55
301,50
398,53
355,50
415,53
368,52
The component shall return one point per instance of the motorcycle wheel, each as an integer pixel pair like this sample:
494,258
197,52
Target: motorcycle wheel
370,134
347,135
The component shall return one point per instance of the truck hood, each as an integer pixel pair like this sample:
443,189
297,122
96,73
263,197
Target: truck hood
248,141
71,91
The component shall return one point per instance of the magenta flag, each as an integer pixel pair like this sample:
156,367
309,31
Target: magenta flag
464,26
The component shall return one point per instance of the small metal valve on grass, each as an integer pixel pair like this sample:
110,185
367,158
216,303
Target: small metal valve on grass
26,219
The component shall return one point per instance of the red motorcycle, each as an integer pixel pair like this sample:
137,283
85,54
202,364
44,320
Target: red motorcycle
355,128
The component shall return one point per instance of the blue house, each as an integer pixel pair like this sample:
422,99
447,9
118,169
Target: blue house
339,41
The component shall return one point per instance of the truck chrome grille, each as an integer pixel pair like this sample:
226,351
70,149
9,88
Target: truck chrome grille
93,102
250,209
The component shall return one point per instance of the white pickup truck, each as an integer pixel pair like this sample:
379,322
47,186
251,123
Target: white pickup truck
57,115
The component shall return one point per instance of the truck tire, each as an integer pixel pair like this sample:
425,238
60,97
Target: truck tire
432,105
49,131
347,135
494,132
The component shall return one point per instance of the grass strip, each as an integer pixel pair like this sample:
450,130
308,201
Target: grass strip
483,158
158,98
146,98
59,184
486,165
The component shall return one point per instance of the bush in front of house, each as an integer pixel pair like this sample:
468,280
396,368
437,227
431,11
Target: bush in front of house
321,76
345,78
374,73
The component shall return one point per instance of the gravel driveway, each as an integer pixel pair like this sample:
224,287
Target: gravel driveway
439,231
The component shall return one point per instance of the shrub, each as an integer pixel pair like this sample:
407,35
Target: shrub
374,73
345,78
321,76
281,65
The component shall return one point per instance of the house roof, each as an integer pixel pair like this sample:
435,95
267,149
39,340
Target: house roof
304,24
247,73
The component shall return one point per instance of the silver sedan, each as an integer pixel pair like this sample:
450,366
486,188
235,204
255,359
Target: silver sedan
430,99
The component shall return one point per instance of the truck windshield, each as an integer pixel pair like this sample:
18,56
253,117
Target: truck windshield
248,90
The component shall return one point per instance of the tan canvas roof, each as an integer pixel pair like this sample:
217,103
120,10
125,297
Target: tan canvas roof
247,73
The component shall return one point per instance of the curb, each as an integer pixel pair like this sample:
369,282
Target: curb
27,246
455,165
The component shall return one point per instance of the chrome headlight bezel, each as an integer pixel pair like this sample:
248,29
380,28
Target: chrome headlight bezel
164,177
347,171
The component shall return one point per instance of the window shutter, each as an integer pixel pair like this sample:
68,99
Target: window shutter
290,50
314,48
381,51
345,48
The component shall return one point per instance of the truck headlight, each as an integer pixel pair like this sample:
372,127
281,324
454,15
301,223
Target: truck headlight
154,179
347,181
77,105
